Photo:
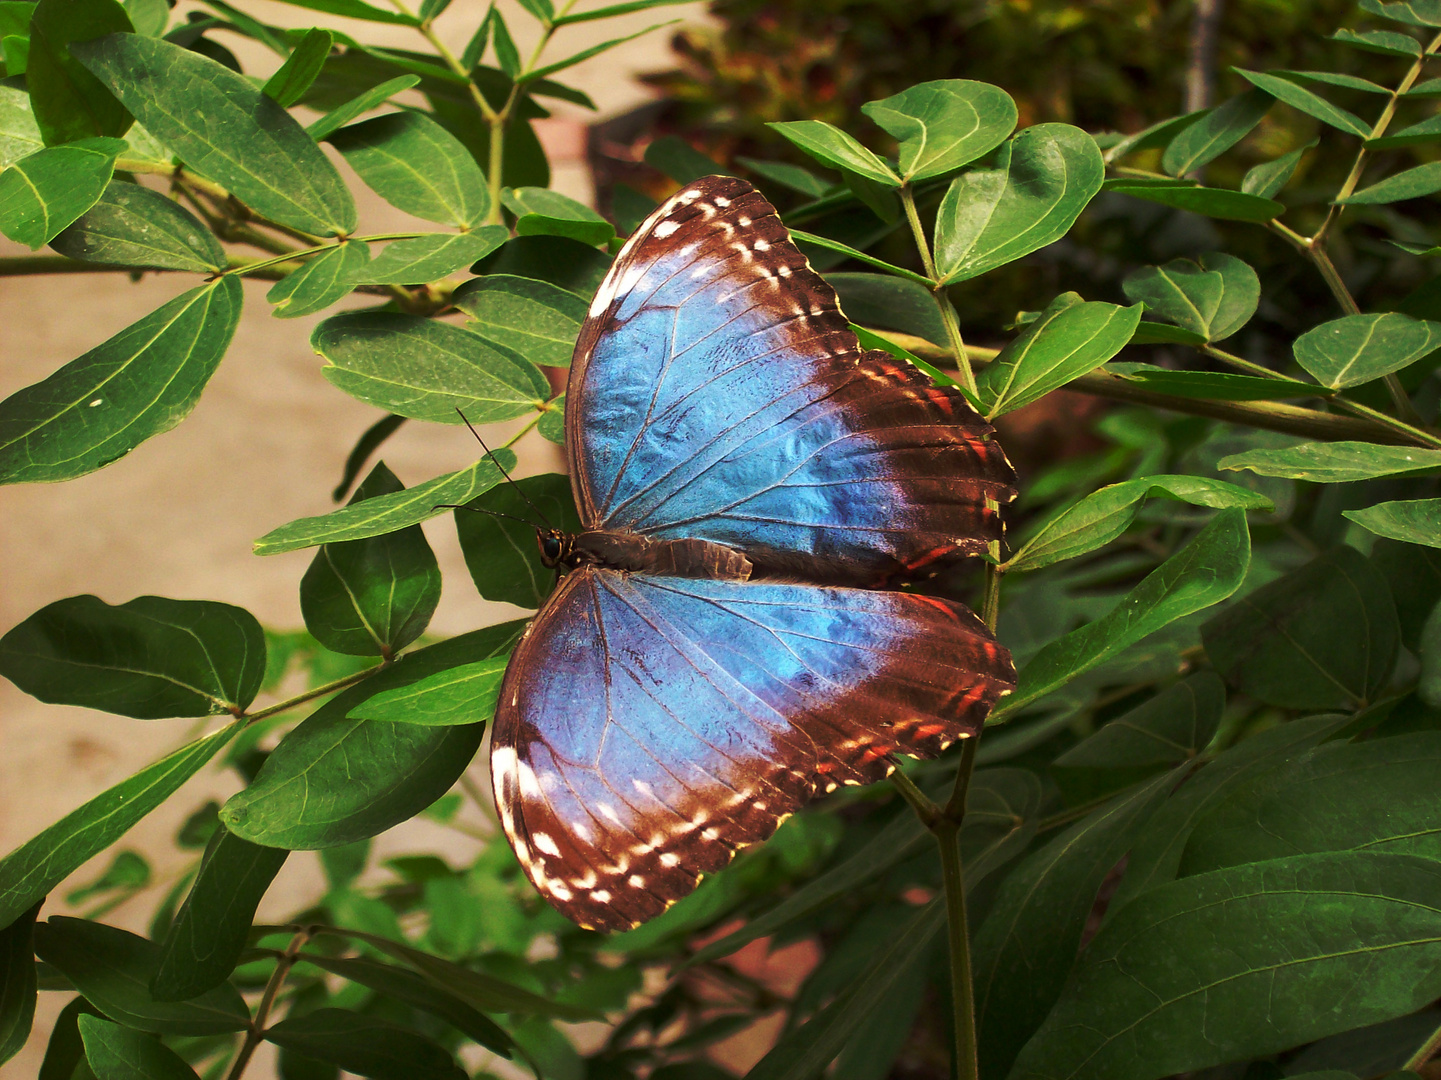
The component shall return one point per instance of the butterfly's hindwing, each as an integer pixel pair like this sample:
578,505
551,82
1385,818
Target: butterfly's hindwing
649,726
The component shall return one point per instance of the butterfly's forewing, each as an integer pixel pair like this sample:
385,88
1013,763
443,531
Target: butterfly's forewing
718,392
650,726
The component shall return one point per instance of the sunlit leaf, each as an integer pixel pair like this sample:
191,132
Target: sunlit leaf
1416,521
944,125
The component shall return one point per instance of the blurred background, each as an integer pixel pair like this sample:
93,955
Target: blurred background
267,443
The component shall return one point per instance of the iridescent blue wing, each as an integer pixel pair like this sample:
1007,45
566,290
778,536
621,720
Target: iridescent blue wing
650,726
718,392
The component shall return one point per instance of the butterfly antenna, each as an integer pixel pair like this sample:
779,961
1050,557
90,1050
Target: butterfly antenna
482,510
518,489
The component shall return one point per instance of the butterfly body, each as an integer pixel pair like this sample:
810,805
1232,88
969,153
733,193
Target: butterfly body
729,640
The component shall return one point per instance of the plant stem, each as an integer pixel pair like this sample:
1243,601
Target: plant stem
1425,1053
948,312
305,253
1245,365
1400,427
963,1002
267,1002
928,812
319,691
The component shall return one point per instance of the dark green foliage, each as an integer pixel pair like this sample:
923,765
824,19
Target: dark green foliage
1171,860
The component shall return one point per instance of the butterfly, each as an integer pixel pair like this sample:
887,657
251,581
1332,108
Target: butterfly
729,638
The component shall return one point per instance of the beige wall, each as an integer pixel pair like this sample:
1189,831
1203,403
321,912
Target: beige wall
177,516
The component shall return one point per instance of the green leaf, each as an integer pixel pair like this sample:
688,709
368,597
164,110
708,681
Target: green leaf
263,156
149,658
1424,89
1158,134
293,78
805,1051
805,238
1334,463
1042,180
683,163
19,136
612,10
889,303
1415,521
373,98
127,872
461,695
869,340
1414,575
1001,812
429,258
17,982
1212,202
69,102
1407,184
1027,945
564,263
321,281
552,421
133,226
1105,514
831,146
1310,103
585,54
426,369
15,53
402,985
355,9
1335,78
535,318
779,172
1213,297
1156,855
541,212
372,597
1267,179
502,555
209,932
943,125
333,780
1328,802
1216,385
1355,349
44,193
1385,42
113,969
1322,635
481,991
387,513
1071,337
1411,12
1169,729
1205,572
417,166
121,1053
1427,131
506,54
1274,951
364,1045
1200,143
29,872
150,17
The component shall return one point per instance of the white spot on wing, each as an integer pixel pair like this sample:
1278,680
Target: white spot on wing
546,843
665,228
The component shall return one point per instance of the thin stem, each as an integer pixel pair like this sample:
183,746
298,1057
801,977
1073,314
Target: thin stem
1425,1053
525,430
319,691
1400,427
318,249
955,810
1245,365
267,1002
958,933
928,812
1377,130
948,312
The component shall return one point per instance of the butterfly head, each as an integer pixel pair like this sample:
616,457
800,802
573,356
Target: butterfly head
556,548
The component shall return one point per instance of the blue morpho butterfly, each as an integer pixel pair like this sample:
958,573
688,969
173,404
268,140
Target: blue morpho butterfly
727,641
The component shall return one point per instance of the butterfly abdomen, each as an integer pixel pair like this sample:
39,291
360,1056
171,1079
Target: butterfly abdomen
686,558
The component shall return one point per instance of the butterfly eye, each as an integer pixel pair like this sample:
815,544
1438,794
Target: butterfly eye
550,548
